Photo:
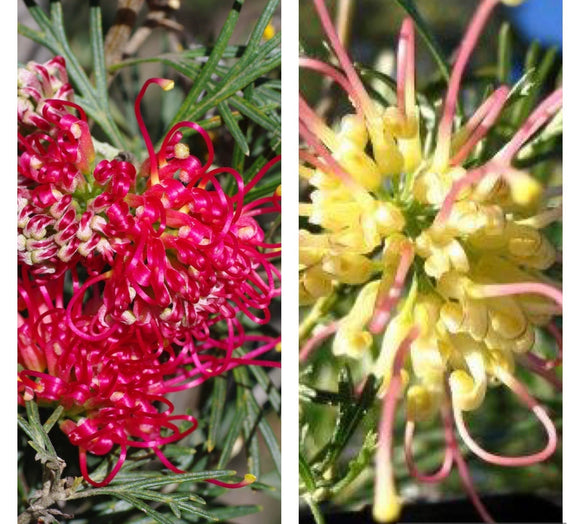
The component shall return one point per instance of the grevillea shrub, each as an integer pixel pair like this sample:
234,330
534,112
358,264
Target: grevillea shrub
425,260
140,277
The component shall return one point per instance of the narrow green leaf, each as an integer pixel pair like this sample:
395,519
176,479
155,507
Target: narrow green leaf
504,54
247,404
266,93
175,509
185,59
357,464
247,69
98,50
228,89
26,427
521,88
234,512
34,421
254,113
530,66
212,62
145,508
348,420
271,443
249,60
540,77
267,385
231,436
532,55
551,134
238,163
306,474
36,36
261,24
178,478
217,408
51,421
256,417
39,17
243,73
233,127
176,502
213,122
119,484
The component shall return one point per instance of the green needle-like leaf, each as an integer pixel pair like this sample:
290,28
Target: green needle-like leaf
212,62
98,49
256,114
261,24
234,512
231,436
504,54
217,408
233,127
145,508
52,420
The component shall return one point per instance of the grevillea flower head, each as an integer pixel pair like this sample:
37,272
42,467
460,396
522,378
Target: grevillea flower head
187,255
38,83
132,281
58,224
178,249
111,390
449,257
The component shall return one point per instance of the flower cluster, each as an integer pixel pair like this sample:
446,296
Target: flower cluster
132,279
450,256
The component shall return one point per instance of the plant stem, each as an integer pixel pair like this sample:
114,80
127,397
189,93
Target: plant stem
316,513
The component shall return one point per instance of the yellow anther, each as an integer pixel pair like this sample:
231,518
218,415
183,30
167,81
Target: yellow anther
249,478
269,32
167,85
181,150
